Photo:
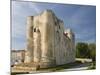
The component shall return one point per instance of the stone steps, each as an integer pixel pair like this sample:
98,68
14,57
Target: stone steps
26,64
24,67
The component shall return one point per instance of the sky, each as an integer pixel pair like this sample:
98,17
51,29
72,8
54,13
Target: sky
80,18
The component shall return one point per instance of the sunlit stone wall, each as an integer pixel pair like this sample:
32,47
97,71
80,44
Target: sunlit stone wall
48,43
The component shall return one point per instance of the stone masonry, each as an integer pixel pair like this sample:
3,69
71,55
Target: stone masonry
48,43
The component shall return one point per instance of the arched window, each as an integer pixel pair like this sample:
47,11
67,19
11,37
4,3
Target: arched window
34,29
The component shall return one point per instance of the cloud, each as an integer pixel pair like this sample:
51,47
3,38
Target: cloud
34,7
80,18
83,22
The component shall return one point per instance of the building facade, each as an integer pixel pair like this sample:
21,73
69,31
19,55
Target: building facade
17,56
48,43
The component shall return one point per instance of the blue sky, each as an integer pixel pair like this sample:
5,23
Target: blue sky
81,19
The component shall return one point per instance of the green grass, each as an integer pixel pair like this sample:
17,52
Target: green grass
93,66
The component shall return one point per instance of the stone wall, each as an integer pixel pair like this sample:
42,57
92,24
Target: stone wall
29,35
47,41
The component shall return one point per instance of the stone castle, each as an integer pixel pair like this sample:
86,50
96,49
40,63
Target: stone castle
48,43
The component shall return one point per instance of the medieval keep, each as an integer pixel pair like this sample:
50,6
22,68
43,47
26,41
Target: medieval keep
48,43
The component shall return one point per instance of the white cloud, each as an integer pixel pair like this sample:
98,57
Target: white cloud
20,11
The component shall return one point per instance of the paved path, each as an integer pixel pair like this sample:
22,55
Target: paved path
78,67
75,68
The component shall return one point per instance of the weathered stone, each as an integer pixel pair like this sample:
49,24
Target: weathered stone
48,44
29,35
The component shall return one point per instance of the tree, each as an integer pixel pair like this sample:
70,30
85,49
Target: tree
82,50
92,48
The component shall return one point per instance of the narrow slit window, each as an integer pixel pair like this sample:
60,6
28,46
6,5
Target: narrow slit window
34,29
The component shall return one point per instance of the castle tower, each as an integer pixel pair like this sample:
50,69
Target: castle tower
37,45
47,44
29,35
47,39
71,35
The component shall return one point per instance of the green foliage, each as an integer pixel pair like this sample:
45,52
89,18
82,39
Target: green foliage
82,50
93,66
92,48
85,50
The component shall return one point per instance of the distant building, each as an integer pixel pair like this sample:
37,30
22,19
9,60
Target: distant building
17,56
